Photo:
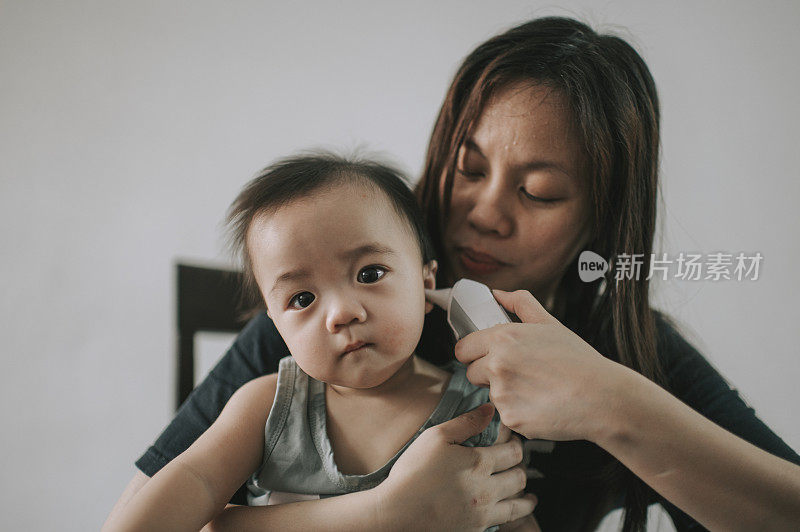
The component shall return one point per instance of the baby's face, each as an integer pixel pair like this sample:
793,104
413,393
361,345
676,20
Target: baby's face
344,282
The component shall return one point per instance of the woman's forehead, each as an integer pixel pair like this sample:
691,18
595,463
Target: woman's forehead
526,125
526,110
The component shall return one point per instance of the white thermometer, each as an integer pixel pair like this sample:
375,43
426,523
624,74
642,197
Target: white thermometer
470,307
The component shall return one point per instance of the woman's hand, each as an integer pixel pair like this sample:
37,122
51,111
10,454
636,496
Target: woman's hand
450,487
544,380
523,524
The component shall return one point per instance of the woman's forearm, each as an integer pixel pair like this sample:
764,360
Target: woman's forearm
719,479
354,511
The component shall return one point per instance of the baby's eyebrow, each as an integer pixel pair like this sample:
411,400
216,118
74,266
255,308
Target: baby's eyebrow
293,275
371,248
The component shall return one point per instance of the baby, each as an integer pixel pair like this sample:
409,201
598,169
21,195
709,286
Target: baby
337,250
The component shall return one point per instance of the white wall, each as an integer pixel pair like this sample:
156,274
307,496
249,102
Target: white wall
127,128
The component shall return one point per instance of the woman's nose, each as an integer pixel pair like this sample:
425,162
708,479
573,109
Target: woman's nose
491,209
344,310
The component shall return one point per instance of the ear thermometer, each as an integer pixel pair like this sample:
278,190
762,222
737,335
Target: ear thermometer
470,307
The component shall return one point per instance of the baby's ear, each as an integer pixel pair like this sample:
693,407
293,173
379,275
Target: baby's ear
429,280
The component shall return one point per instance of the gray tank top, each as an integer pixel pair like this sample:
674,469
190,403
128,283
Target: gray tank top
298,459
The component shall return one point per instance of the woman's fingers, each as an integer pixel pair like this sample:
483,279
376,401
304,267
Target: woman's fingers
523,304
478,374
506,484
466,425
523,524
503,435
503,456
473,346
510,510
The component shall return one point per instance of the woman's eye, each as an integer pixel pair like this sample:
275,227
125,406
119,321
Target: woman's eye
469,175
536,198
370,274
301,300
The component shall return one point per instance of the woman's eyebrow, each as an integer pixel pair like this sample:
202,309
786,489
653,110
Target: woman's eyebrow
471,145
534,166
531,166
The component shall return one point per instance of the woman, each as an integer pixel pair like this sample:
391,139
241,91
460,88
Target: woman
546,145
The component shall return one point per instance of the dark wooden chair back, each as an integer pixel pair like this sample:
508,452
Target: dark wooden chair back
208,300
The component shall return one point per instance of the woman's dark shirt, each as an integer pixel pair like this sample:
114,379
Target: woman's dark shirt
567,488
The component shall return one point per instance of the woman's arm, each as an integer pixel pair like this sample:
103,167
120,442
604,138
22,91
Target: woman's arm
716,477
193,488
546,382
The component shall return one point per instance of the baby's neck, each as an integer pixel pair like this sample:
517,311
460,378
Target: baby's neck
413,375
368,427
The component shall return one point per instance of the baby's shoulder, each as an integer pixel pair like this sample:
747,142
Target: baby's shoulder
263,384
256,394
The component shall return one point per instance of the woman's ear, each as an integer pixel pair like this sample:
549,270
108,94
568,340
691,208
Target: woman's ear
429,280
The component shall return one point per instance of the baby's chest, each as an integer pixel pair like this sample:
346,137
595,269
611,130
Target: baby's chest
365,441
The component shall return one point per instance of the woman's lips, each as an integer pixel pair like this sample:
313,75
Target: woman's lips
478,263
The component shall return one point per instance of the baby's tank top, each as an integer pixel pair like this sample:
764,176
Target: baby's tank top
298,459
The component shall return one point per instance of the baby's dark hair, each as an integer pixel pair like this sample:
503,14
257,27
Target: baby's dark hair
300,176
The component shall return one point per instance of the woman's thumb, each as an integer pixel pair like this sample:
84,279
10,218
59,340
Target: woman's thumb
467,424
523,304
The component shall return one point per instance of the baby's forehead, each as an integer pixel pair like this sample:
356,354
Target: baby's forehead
332,217
349,193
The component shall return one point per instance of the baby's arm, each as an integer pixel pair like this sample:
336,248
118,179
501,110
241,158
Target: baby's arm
194,487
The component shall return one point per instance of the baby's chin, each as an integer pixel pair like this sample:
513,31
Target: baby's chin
365,375
363,380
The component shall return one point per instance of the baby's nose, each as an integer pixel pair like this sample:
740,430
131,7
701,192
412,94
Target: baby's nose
344,311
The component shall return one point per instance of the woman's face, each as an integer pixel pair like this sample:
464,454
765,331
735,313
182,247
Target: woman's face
520,203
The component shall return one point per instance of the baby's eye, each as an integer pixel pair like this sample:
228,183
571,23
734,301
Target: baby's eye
370,274
301,300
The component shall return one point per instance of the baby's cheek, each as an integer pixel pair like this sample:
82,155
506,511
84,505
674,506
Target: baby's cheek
312,358
402,334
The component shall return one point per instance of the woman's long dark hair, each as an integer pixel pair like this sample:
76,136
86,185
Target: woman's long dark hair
615,108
